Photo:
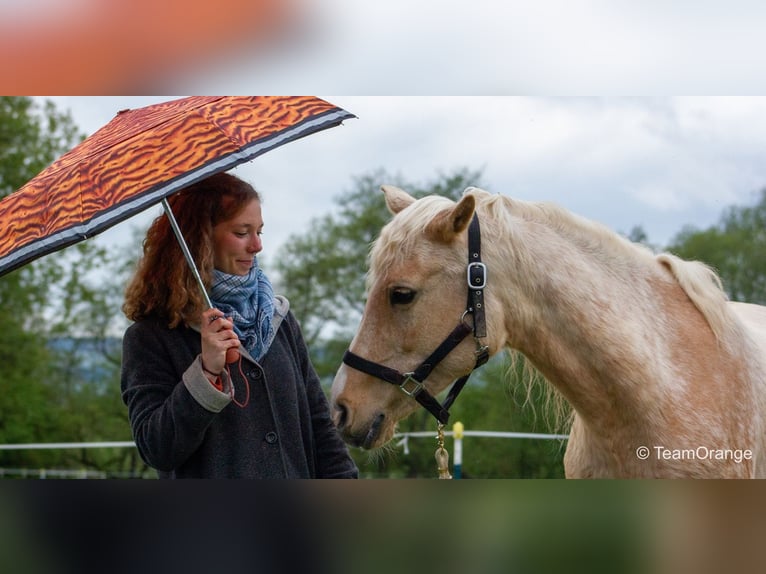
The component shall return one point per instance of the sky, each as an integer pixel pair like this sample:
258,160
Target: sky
658,162
552,47
416,47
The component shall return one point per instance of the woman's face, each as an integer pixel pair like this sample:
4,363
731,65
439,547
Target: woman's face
237,241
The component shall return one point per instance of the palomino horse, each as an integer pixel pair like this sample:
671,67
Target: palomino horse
665,376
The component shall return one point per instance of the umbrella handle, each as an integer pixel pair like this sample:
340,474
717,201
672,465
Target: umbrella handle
232,356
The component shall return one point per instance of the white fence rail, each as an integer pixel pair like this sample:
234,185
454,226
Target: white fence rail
458,433
403,440
43,473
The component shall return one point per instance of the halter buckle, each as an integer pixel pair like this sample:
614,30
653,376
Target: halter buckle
477,275
410,378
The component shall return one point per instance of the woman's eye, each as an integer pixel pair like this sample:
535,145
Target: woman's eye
402,296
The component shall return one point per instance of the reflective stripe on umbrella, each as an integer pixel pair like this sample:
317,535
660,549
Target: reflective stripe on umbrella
143,156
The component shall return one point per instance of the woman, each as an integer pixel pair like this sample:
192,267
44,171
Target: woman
228,391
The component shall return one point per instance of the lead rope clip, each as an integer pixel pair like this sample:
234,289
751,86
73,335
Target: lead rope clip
441,455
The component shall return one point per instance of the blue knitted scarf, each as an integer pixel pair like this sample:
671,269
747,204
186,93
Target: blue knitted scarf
248,301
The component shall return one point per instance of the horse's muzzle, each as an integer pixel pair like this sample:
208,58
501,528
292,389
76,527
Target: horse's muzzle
364,437
374,432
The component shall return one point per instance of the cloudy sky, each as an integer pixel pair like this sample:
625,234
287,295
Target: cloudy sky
658,162
552,47
419,47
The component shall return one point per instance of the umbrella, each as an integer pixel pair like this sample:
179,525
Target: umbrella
140,158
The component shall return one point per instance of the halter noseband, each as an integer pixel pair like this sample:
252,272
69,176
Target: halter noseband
412,383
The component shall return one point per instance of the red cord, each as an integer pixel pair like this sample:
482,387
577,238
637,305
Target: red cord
247,385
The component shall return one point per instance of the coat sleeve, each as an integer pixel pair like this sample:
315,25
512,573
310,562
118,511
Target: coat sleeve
332,457
170,401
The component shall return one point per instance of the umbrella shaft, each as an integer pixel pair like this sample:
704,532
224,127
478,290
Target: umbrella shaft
186,252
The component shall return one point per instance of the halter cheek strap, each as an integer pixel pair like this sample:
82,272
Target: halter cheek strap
477,280
412,383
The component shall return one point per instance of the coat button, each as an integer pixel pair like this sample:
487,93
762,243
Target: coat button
271,437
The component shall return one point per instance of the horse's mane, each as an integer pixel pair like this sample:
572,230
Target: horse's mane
700,282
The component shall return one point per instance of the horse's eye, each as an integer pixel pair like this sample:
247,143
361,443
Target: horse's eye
402,296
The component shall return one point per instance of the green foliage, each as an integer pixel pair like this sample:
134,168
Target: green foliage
44,397
27,145
735,247
638,235
31,137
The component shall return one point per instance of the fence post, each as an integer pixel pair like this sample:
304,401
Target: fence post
457,430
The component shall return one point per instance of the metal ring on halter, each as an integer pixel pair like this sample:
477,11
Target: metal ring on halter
410,378
462,317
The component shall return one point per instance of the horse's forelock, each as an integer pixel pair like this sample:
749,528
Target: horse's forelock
403,234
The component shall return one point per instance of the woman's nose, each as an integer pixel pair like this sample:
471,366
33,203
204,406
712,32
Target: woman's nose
256,245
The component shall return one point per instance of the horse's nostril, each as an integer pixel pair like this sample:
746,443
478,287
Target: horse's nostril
341,416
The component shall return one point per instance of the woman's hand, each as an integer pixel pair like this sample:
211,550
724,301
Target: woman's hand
218,337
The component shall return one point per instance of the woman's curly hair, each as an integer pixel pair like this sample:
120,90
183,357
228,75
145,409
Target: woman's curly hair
163,286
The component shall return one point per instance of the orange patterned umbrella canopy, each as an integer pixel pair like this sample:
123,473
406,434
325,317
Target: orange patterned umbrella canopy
141,157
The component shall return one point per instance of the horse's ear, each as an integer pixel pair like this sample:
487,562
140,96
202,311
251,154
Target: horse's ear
453,221
396,199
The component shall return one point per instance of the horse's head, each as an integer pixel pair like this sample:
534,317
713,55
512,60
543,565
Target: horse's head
417,292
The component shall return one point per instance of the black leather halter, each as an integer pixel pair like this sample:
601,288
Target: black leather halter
412,383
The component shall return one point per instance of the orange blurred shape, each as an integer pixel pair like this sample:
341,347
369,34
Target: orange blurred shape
129,46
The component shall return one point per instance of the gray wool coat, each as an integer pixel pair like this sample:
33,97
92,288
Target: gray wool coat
185,428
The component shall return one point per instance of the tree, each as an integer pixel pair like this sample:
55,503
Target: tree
44,395
735,247
30,139
638,235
